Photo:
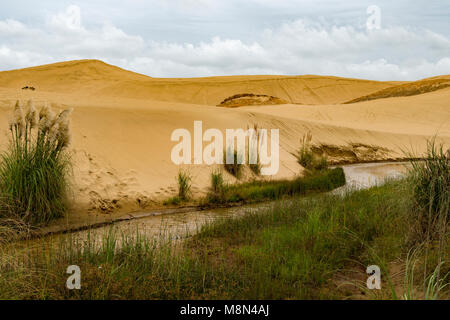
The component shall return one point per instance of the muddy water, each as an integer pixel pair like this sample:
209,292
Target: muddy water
182,225
366,175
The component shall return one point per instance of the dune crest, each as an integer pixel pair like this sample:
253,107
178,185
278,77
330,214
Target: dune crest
94,77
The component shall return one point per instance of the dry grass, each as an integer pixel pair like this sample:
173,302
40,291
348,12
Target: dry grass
405,90
250,99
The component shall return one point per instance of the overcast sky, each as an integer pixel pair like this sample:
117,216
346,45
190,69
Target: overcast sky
187,38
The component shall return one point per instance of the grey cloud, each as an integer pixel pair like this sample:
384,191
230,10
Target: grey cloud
292,46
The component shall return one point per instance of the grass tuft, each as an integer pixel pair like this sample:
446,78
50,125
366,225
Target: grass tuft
234,168
34,169
306,157
184,180
430,181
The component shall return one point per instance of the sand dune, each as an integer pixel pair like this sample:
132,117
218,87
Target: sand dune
122,122
93,77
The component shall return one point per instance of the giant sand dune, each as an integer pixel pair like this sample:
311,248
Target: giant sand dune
122,123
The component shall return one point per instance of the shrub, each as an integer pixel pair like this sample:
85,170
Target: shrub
34,169
184,185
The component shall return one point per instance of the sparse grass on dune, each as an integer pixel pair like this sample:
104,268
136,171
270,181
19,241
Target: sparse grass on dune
184,180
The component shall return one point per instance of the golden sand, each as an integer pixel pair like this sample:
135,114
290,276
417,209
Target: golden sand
122,123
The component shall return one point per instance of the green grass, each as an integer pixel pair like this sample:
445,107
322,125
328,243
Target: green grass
184,180
34,169
217,193
306,157
293,250
261,190
430,179
296,248
234,168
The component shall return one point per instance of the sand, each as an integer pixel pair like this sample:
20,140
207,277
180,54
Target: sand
122,123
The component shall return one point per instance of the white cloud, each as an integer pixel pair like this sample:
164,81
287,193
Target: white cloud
70,19
296,47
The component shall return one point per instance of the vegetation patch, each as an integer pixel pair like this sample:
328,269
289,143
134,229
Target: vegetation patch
298,248
234,168
307,158
34,169
291,250
250,99
261,190
405,90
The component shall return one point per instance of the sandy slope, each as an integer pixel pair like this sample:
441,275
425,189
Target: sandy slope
121,146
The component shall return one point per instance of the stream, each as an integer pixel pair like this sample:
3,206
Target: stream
181,225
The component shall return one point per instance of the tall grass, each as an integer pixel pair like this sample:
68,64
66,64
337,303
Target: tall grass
217,194
34,168
306,157
293,249
290,250
254,167
262,190
430,180
184,180
234,168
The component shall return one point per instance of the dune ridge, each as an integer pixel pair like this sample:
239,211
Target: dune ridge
94,77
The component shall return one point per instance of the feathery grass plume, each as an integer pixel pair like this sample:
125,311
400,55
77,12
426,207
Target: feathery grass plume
63,134
31,117
306,157
46,119
18,119
34,169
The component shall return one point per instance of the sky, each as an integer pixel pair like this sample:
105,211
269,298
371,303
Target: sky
380,40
